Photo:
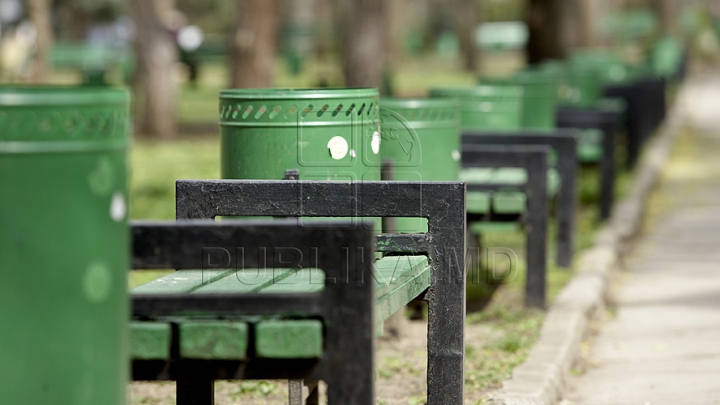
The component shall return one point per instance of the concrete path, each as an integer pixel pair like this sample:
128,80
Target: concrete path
663,345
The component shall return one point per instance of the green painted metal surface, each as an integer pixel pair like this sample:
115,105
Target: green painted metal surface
213,340
63,228
150,340
422,139
327,134
539,99
289,339
487,107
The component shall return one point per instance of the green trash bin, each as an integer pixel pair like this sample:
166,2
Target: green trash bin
540,88
487,107
421,136
325,134
63,229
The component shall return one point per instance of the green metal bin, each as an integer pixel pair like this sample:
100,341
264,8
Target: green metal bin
487,107
65,245
421,136
325,134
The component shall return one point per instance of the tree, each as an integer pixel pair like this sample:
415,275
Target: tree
667,13
555,26
466,19
39,11
254,43
156,58
364,38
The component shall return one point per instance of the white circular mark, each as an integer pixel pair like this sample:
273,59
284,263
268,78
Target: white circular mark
375,142
456,155
97,282
338,147
118,209
352,153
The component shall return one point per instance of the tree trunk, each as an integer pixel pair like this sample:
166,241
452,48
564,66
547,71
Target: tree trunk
254,43
553,26
39,11
667,13
364,43
156,57
466,19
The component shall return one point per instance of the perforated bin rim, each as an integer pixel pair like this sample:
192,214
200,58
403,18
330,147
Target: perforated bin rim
62,95
489,91
298,93
415,103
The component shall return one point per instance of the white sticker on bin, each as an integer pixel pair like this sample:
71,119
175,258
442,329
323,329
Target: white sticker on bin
338,147
375,142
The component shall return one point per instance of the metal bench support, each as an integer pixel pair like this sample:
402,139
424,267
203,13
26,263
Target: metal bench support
564,142
443,204
605,121
534,160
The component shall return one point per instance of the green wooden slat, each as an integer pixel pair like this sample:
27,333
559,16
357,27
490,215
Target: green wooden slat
182,281
509,175
590,145
408,277
509,202
476,174
480,227
392,272
245,281
149,340
477,202
220,340
303,281
289,339
590,153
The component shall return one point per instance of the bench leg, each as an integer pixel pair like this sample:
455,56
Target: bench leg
295,392
313,394
607,187
565,210
195,391
536,235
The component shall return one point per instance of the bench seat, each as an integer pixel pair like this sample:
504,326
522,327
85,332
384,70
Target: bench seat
398,279
503,201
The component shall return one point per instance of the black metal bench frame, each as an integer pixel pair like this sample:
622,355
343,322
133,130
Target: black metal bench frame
534,159
564,142
606,122
646,108
443,204
344,254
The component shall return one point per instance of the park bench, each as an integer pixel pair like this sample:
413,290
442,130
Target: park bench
561,179
429,266
92,60
509,196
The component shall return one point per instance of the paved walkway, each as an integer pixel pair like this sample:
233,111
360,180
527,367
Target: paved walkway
663,345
